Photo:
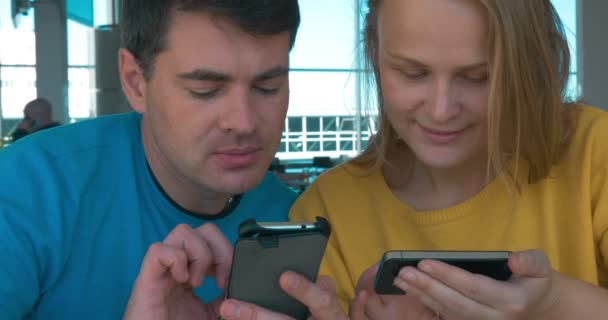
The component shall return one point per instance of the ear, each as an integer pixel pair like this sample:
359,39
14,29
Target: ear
132,80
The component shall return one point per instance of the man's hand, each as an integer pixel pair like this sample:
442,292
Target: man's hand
163,289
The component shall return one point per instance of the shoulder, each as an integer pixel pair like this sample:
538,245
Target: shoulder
76,139
347,186
64,157
344,176
590,132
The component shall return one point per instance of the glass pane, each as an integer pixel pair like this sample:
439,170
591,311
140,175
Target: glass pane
295,146
567,12
329,124
22,40
102,12
347,124
330,25
295,124
313,146
346,146
18,88
80,44
313,124
573,90
329,146
314,93
81,92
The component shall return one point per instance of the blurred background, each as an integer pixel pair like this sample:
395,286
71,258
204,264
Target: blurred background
65,51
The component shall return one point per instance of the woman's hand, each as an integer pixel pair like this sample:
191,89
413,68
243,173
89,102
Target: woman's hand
454,293
389,306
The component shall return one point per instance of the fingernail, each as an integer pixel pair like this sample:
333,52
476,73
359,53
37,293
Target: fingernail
409,275
293,281
425,267
231,310
401,284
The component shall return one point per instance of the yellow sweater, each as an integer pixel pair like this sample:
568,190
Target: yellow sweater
565,215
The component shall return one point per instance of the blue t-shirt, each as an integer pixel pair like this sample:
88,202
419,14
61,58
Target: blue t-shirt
79,209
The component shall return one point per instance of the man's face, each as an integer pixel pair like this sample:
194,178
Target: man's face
215,104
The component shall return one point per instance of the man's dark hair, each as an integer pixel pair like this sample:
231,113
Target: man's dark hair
144,24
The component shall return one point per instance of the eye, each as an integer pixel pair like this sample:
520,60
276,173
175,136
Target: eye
414,75
266,90
476,78
204,94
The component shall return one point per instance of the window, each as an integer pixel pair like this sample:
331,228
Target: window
17,64
567,12
81,70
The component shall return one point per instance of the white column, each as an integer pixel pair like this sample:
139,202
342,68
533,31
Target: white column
110,98
593,51
52,55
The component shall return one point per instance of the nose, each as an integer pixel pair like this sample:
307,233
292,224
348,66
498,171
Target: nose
442,104
238,115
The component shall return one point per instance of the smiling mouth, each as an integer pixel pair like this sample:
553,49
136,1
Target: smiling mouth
441,136
442,132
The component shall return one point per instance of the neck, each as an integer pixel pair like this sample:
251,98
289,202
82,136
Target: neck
425,188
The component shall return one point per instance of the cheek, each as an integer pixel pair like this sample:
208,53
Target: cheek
272,113
400,96
475,101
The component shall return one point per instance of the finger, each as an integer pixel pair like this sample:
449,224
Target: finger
530,263
327,284
322,303
357,307
232,309
485,290
222,252
429,306
439,296
200,256
161,258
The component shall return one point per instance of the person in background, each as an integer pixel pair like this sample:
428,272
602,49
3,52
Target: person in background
478,148
37,115
95,202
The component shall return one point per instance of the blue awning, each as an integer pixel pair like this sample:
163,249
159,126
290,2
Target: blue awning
80,11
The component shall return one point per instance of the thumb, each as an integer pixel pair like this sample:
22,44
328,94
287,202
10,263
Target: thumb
366,280
327,284
529,263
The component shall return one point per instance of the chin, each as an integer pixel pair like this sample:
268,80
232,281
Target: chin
240,182
444,160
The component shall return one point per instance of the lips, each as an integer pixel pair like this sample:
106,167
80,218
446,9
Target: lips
441,136
236,158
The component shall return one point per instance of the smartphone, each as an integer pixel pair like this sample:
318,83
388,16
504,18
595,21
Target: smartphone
264,251
489,263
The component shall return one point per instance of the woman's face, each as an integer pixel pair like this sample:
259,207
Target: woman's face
433,62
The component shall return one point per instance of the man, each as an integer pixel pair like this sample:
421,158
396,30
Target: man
209,82
37,115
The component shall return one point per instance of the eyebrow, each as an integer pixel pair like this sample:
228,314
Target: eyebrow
417,63
216,76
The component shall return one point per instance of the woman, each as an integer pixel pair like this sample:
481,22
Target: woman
477,149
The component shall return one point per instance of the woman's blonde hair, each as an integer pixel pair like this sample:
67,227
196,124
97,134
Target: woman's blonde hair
528,114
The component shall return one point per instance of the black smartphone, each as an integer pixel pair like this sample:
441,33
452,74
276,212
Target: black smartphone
489,263
264,251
